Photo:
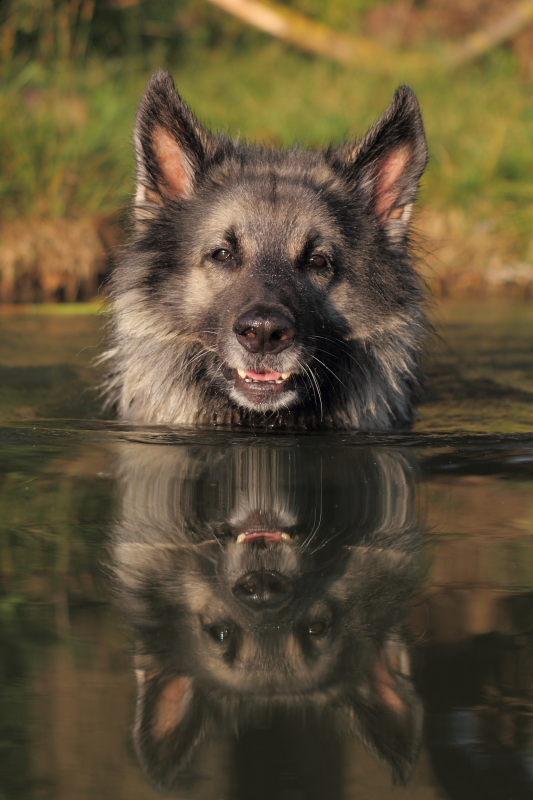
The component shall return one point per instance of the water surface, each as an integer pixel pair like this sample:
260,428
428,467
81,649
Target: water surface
225,615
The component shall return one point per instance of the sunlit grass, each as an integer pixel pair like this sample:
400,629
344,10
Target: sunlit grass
65,134
56,309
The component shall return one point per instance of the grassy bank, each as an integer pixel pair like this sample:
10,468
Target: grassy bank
65,131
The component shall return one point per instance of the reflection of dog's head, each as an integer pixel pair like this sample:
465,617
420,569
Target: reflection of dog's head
254,577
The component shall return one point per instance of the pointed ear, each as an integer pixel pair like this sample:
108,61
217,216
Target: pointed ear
168,726
385,166
389,713
170,146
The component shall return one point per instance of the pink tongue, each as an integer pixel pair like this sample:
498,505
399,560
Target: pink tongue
276,537
263,376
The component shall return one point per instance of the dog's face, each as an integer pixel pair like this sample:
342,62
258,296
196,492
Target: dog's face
265,284
267,589
259,619
260,271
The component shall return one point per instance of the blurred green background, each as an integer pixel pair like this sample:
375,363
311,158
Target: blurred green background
72,73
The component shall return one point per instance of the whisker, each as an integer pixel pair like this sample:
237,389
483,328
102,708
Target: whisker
314,531
307,369
308,381
339,343
330,538
330,370
215,374
194,358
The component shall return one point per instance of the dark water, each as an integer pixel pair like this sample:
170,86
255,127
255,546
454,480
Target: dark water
232,615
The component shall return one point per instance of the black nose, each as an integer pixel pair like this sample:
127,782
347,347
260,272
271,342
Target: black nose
265,331
263,589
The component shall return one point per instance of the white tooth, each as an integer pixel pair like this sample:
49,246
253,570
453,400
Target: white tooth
280,380
285,375
242,373
285,536
241,538
248,380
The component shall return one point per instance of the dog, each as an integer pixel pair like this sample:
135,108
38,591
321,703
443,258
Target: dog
268,287
254,592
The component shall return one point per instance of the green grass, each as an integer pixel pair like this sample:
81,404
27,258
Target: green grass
65,131
60,309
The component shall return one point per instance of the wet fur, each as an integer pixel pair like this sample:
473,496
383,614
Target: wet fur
359,320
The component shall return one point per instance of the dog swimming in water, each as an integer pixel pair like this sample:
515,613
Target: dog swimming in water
268,287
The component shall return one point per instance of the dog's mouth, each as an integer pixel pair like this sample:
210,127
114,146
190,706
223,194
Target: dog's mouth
266,537
262,384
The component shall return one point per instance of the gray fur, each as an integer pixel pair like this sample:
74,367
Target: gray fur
358,319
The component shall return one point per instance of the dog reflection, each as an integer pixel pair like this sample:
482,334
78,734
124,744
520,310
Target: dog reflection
256,578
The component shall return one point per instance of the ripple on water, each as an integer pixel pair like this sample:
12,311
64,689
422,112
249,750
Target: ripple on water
405,611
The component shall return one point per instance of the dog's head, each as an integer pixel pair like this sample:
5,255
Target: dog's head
264,280
266,590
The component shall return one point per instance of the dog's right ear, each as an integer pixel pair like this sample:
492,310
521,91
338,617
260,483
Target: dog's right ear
168,726
170,146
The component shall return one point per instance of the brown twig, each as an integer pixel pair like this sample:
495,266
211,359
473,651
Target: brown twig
307,34
480,42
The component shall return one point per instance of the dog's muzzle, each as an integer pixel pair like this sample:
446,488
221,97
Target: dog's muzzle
263,333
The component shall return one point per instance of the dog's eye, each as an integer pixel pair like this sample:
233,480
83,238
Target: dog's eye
317,628
318,261
222,255
220,632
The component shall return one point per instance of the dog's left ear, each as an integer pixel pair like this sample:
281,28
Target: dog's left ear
169,724
386,165
387,711
171,146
